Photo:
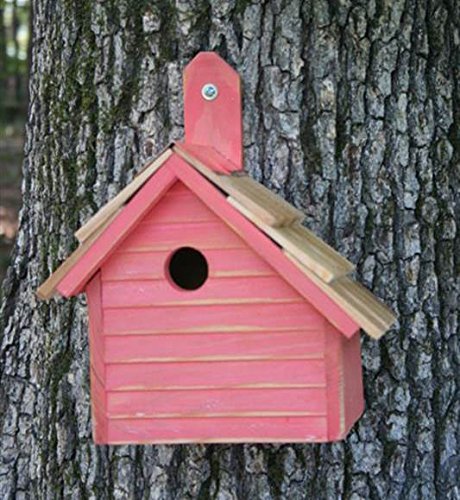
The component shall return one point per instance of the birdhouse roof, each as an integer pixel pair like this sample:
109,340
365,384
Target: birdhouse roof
263,219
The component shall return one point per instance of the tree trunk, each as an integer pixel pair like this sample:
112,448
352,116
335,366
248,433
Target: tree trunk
352,113
2,61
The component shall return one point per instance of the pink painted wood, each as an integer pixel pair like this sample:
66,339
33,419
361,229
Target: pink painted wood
253,290
97,361
257,354
352,382
217,403
334,383
192,375
217,430
239,348
220,317
218,122
209,345
153,237
75,280
240,263
262,245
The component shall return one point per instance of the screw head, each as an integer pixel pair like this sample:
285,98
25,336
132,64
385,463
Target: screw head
209,91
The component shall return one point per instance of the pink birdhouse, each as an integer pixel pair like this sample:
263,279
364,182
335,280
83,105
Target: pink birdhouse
214,314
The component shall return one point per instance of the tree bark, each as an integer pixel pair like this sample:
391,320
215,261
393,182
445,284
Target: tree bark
352,113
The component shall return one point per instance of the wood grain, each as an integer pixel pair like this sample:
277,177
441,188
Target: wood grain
314,253
216,403
223,263
372,315
150,237
122,197
216,123
266,205
106,242
97,361
194,375
137,349
262,245
217,430
254,290
222,317
178,206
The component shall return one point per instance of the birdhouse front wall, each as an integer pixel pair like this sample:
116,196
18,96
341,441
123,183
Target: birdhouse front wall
244,357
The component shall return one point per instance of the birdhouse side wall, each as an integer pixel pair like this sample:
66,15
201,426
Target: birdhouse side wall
344,382
240,359
353,380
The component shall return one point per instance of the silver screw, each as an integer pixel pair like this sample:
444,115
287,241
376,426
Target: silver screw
209,91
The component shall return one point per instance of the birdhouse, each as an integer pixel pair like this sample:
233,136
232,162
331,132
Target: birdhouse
214,314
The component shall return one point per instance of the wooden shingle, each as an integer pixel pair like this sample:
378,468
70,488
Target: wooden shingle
374,317
263,203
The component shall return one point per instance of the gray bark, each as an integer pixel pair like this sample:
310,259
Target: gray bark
352,113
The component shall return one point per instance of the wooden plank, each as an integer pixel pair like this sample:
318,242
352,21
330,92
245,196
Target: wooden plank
137,348
106,242
314,253
223,263
241,317
266,205
334,383
216,403
362,296
48,288
217,430
225,374
218,122
201,235
178,206
369,313
95,314
353,392
97,365
263,246
267,290
98,410
122,197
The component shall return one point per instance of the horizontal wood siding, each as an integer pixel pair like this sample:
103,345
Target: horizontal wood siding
205,318
239,262
202,235
217,403
178,206
209,345
159,292
217,430
216,374
241,358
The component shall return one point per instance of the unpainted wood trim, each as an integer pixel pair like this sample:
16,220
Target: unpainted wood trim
122,197
374,317
270,207
310,250
48,288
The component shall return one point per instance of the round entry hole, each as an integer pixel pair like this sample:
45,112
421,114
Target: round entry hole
188,268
